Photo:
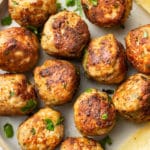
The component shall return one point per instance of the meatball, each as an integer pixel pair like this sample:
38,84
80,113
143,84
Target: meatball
132,98
80,144
43,131
18,49
105,60
17,96
138,48
65,35
94,114
56,81
107,13
31,12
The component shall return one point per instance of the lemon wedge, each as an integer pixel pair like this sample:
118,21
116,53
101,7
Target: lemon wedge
144,3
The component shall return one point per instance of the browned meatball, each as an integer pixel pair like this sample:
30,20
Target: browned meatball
43,131
80,143
18,49
31,12
65,34
94,114
138,48
105,60
132,98
56,81
107,13
17,96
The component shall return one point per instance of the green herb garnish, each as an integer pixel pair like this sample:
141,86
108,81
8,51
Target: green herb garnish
64,85
104,116
60,121
70,3
79,7
106,140
109,98
89,90
30,105
6,21
8,129
33,131
12,93
145,34
58,6
49,124
108,91
15,3
94,2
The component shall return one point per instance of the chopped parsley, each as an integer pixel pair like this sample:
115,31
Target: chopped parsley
8,129
104,116
30,105
60,121
109,98
70,3
145,34
108,91
49,124
94,2
33,131
58,6
6,21
15,3
78,7
106,140
12,93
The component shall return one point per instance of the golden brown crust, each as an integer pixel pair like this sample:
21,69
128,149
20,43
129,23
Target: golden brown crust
15,93
107,13
31,12
33,133
93,113
65,34
18,49
80,143
132,98
138,48
56,81
105,60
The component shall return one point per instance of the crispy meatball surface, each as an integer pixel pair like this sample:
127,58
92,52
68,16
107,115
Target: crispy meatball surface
105,60
138,48
31,12
17,96
80,144
131,99
43,131
65,35
107,13
18,49
94,114
56,81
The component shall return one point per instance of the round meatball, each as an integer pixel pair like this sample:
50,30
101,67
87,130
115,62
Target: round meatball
80,144
17,96
18,49
56,81
65,35
105,60
138,48
94,114
107,13
132,98
31,12
43,131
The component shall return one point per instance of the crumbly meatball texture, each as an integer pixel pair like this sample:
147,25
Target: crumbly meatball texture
131,99
65,35
107,13
94,114
42,131
56,81
31,12
105,60
18,49
17,96
138,48
80,144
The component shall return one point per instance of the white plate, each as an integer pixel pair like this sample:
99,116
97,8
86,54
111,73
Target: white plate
123,129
